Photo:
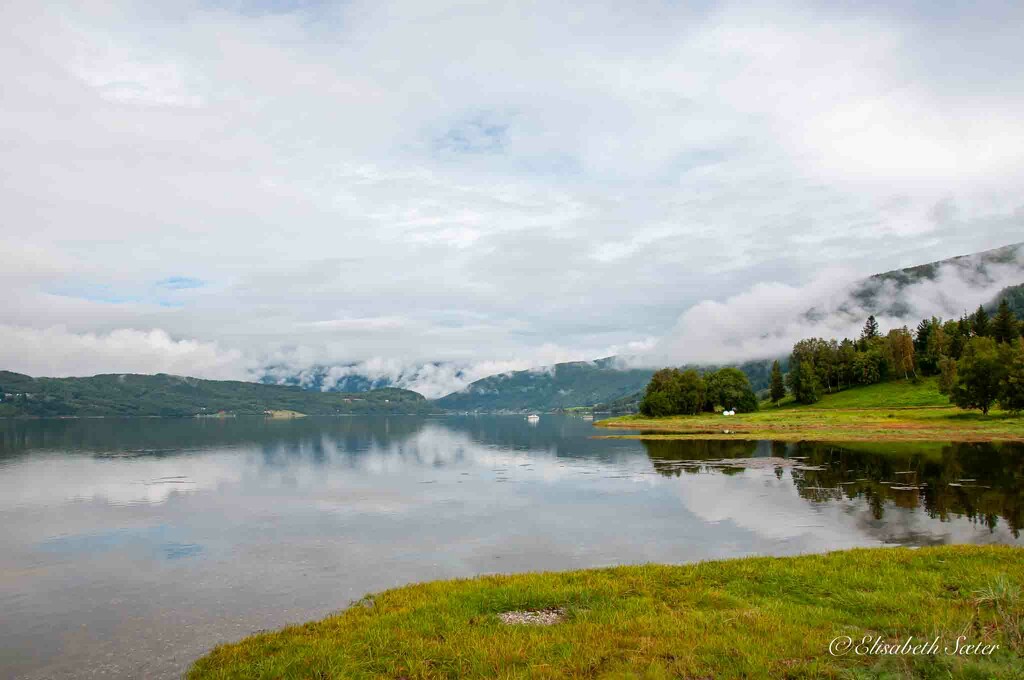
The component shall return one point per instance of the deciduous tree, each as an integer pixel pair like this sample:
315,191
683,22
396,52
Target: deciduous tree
979,374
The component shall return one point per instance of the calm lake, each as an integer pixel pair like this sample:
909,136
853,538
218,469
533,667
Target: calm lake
129,547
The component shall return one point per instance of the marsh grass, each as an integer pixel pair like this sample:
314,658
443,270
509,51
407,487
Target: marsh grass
747,618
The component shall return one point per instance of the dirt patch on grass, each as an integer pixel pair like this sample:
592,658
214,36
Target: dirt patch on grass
533,617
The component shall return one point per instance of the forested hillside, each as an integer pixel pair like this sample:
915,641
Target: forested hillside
578,383
169,395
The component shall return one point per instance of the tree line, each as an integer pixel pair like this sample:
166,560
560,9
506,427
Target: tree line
673,391
979,361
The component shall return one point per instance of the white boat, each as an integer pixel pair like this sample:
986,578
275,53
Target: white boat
533,417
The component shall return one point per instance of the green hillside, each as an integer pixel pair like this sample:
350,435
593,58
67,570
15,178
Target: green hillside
169,395
894,394
603,384
578,383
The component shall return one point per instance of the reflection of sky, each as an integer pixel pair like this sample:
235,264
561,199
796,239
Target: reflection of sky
212,542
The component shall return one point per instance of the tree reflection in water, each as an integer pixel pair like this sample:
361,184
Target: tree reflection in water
980,481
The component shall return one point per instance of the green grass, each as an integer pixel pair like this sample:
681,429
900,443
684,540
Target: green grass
748,618
890,412
898,394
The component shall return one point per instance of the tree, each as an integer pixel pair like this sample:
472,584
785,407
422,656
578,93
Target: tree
656,404
980,325
809,389
1011,397
777,389
921,334
691,394
979,373
673,392
947,375
865,366
661,394
846,359
802,377
730,388
901,346
870,329
955,332
938,347
1004,325
826,364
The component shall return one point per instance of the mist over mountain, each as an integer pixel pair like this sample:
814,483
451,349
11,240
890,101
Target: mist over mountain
577,383
748,331
765,320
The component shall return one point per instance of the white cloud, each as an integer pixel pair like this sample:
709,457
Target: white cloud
471,184
56,352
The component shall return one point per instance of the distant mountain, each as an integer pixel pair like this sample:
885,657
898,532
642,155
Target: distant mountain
1014,296
343,378
169,395
886,293
605,384
430,378
577,383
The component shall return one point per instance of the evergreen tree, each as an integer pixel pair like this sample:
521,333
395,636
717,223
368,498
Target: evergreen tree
1004,325
803,377
847,358
979,374
980,325
777,389
870,329
924,330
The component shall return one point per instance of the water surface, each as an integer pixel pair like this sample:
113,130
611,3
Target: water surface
129,547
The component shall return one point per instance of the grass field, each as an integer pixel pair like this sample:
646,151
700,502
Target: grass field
898,394
749,618
896,411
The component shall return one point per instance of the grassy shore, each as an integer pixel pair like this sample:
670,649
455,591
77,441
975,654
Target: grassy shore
749,618
896,411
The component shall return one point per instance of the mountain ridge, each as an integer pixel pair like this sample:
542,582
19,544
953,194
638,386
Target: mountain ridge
133,394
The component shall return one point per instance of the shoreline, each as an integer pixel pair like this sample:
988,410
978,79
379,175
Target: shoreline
885,424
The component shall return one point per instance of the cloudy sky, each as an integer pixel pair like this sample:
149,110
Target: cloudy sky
208,187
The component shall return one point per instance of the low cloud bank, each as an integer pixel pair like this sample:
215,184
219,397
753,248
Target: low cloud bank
764,321
431,379
57,352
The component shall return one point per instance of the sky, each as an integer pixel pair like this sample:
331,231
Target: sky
208,188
